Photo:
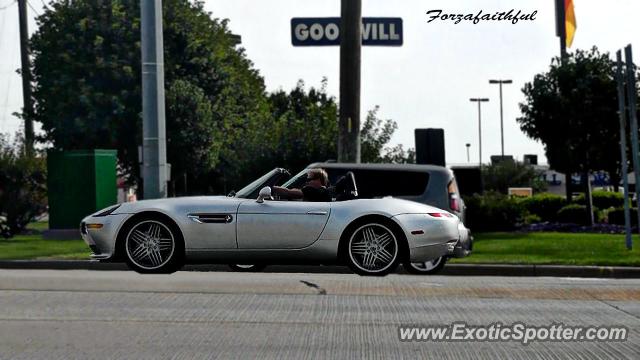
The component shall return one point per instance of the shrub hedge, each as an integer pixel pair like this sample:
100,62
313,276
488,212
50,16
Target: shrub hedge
573,214
602,199
616,216
544,205
493,212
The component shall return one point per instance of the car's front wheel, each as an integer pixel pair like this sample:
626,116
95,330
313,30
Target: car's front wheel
373,249
152,245
427,267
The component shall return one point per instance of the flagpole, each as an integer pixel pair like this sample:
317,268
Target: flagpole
561,31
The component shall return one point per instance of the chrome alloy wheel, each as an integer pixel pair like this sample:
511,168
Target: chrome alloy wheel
150,244
373,248
427,265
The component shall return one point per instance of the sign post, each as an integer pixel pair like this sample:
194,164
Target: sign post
349,110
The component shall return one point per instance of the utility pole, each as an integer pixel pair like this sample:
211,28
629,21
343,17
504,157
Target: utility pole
500,82
479,101
350,51
154,150
26,77
632,93
623,148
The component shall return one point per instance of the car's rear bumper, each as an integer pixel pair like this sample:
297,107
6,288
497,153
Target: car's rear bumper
428,237
465,243
431,252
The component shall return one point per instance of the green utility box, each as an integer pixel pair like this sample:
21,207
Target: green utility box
80,182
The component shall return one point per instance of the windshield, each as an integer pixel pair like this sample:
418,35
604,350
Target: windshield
246,191
297,181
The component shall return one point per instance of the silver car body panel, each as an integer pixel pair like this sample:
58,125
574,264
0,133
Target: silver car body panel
220,229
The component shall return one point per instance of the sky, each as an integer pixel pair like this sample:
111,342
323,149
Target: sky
427,82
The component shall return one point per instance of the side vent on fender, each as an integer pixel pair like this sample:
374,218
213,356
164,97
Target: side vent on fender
201,218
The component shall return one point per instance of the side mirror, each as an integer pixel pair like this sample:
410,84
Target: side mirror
265,193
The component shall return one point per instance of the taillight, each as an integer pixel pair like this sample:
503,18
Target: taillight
454,199
440,215
454,202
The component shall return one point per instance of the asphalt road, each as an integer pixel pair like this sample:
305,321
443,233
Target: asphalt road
84,314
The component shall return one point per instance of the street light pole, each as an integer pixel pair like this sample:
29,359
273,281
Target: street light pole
468,145
479,101
500,82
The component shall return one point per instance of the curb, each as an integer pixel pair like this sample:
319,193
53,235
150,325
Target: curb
542,270
449,269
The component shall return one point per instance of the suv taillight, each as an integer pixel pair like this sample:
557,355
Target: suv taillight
454,202
454,199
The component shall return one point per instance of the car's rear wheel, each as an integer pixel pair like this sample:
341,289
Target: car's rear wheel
247,267
373,249
427,267
152,245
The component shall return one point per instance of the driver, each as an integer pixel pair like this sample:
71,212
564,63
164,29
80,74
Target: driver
315,189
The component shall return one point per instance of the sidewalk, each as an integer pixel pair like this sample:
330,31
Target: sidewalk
449,269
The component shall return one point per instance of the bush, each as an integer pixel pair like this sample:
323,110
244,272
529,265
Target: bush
531,219
603,199
493,212
574,214
616,216
22,187
545,206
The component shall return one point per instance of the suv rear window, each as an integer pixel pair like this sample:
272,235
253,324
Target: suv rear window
380,183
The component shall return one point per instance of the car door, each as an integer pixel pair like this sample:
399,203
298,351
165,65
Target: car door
280,224
207,222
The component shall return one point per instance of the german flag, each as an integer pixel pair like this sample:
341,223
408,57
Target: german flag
570,24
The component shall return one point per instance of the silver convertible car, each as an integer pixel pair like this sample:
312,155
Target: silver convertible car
371,236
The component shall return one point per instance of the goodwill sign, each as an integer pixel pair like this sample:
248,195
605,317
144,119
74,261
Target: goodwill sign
376,31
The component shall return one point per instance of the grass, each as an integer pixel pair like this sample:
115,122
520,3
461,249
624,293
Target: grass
489,248
552,248
34,246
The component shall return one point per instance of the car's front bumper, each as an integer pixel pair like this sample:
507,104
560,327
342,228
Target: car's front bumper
102,241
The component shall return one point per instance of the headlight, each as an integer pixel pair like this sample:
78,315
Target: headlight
107,211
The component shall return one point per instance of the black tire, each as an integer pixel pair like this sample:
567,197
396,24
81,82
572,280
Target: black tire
152,245
426,268
372,248
247,267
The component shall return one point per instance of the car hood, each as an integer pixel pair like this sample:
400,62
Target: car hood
135,206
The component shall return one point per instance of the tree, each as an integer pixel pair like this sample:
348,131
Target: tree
374,137
572,110
505,174
23,193
305,126
305,129
88,82
87,95
193,130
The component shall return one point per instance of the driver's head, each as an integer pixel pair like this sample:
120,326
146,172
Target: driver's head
317,178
